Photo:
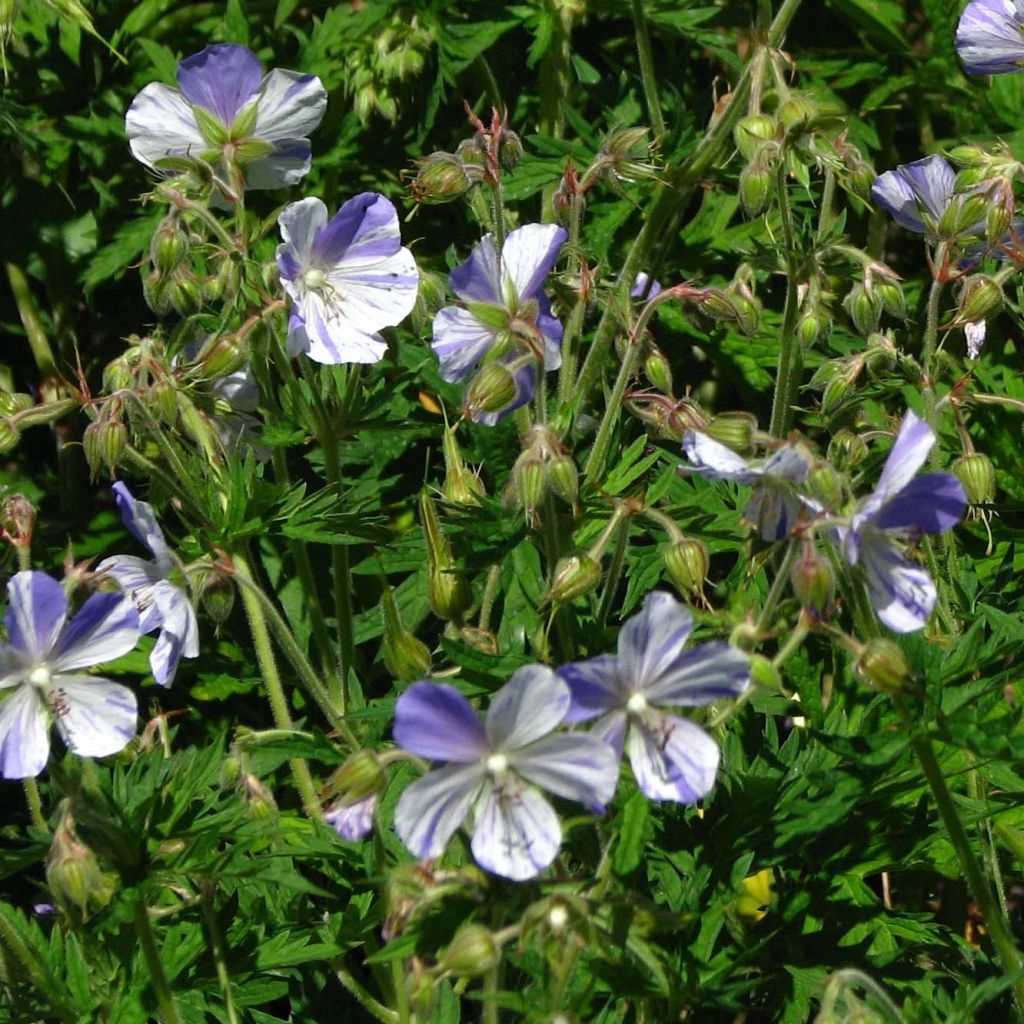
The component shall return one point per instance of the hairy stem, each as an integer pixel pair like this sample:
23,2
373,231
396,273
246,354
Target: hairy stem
650,83
157,975
787,374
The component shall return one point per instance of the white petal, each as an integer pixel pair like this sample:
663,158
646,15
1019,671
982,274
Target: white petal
160,123
137,578
672,758
95,717
289,105
577,766
299,223
432,808
902,593
517,833
290,162
652,639
528,255
909,452
106,627
372,294
331,337
460,341
24,734
715,460
530,705
36,610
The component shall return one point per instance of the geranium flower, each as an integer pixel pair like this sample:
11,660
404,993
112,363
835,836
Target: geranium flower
353,821
775,505
902,507
917,194
672,757
347,277
494,768
225,108
95,717
506,315
156,588
990,36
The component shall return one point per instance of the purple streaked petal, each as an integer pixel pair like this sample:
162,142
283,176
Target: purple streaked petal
909,452
376,293
299,224
530,705
434,720
432,808
706,673
95,717
329,336
363,232
221,79
528,256
353,822
516,833
289,106
551,331
901,592
36,610
137,578
288,164
652,640
179,632
716,462
14,666
460,341
672,758
595,688
141,521
611,729
933,503
932,181
640,289
160,124
894,195
106,627
24,734
990,37
477,279
577,766
791,463
773,509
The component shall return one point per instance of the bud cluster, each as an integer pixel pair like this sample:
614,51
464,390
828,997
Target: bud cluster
544,467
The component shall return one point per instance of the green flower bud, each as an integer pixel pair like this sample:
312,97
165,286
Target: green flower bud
755,187
510,152
441,177
184,292
224,285
530,475
968,155
574,576
17,520
846,449
104,440
492,389
227,355
471,953
405,657
860,177
156,292
258,798
230,770
997,222
883,665
893,300
751,131
733,429
210,127
360,776
564,478
164,396
11,403
826,485
9,435
813,581
964,214
73,874
447,589
218,597
748,313
687,562
658,371
980,298
169,245
835,394
798,111
864,306
812,326
978,476
461,485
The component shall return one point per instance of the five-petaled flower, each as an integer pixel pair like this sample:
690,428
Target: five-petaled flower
156,588
506,317
990,37
902,506
776,504
672,757
347,277
918,194
494,768
95,717
226,109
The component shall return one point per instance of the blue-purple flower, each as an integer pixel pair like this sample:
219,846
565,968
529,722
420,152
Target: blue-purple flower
226,108
917,194
493,768
353,821
157,588
347,277
505,315
776,504
41,665
672,757
990,36
902,507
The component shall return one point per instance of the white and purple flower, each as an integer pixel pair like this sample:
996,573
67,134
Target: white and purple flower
353,821
347,277
990,37
494,768
506,316
918,194
225,107
672,757
157,588
40,664
903,506
776,504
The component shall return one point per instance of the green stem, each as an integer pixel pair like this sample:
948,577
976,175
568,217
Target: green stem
567,371
29,313
401,995
931,334
594,471
490,1002
219,957
614,576
490,595
35,805
788,370
164,997
995,922
643,49
272,681
778,588
367,1001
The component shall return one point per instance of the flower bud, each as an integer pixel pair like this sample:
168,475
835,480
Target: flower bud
894,302
733,429
104,440
574,576
755,187
492,389
564,478
967,155
997,222
883,665
964,215
218,597
658,371
74,875
164,396
119,374
471,953
510,152
813,580
258,798
980,298
405,657
751,131
825,485
223,286
860,177
441,177
846,449
798,111
155,290
9,435
812,326
864,306
530,476
13,402
169,245
447,589
360,776
835,393
17,520
978,476
687,562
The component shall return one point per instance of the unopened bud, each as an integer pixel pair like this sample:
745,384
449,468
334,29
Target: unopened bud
104,441
218,597
9,435
980,298
156,292
164,396
564,478
864,306
813,580
169,245
184,292
733,429
755,187
893,300
441,178
73,873
510,152
258,798
798,111
461,485
227,356
471,953
964,215
687,562
13,402
811,327
118,375
360,776
447,589
404,656
492,389
997,222
530,475
967,155
658,371
825,485
574,576
751,131
883,665
17,520
977,474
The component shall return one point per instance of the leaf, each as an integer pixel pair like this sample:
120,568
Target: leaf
634,831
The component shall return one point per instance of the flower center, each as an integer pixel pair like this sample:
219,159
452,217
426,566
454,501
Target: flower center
314,279
39,676
637,704
497,765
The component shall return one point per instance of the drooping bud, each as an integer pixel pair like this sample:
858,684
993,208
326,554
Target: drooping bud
447,589
658,371
813,580
812,326
530,479
404,656
894,302
13,402
17,520
461,485
471,953
964,215
977,474
751,131
218,597
564,478
510,151
184,293
574,576
798,111
687,562
169,246
164,396
733,429
104,440
492,389
883,665
9,435
755,186
440,178
846,449
258,798
826,485
980,298
74,876
360,776
864,305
